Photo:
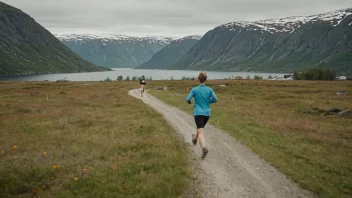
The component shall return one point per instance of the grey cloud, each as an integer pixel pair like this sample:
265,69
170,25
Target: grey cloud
155,17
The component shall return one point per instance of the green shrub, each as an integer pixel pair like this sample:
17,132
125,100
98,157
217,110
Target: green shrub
120,78
256,77
315,74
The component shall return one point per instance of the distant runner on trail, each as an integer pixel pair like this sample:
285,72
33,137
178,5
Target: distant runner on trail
142,82
203,97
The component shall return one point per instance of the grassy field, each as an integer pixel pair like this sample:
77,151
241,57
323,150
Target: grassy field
86,140
271,118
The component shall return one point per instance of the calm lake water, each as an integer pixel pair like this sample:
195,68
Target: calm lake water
155,74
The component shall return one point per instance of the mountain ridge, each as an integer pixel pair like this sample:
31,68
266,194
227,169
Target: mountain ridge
113,50
171,53
28,48
320,40
115,37
290,24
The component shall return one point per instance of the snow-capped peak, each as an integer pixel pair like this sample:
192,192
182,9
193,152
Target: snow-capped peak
290,24
195,37
111,37
192,37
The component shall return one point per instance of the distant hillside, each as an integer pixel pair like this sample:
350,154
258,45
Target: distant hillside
114,51
277,45
28,48
169,55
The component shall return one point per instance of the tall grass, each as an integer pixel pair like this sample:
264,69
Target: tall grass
98,142
314,150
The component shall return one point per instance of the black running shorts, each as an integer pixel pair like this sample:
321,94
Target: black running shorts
201,121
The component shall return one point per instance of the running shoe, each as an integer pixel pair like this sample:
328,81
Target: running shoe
194,139
205,152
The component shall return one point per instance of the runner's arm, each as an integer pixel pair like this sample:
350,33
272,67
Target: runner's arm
213,98
189,97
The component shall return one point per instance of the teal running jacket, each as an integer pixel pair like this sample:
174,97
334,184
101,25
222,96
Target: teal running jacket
203,97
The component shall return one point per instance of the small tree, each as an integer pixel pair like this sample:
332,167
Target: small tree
248,77
150,78
256,77
270,77
107,79
134,78
172,78
128,78
120,78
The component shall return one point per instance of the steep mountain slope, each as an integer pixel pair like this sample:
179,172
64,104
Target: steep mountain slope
114,50
28,48
170,54
277,45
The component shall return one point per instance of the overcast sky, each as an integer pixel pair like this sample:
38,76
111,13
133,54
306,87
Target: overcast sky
162,17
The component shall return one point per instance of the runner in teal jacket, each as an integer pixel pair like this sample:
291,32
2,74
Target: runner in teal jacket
203,97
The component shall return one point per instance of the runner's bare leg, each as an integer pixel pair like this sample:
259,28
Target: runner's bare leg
200,137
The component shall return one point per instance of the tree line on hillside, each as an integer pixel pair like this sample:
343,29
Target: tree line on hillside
315,74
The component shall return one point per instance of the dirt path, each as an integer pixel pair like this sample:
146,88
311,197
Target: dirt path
230,169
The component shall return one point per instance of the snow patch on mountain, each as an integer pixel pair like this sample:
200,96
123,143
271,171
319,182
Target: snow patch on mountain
290,24
82,38
195,37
